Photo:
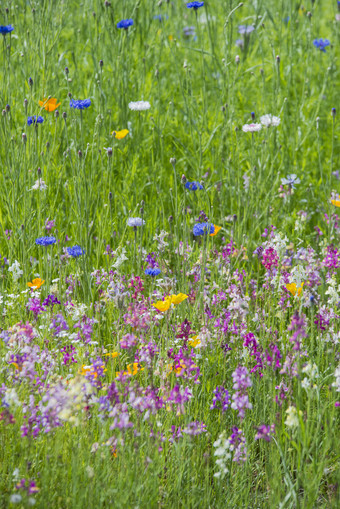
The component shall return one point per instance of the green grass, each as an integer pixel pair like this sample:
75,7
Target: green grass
200,98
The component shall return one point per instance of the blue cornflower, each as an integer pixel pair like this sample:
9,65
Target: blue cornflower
203,229
321,44
153,272
80,104
195,5
193,186
34,120
75,251
45,241
125,23
6,29
161,17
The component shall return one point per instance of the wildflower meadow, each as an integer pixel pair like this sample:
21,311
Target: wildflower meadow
169,254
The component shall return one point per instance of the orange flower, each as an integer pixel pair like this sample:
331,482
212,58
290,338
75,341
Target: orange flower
36,283
111,354
89,370
217,229
336,202
119,135
132,369
292,288
49,104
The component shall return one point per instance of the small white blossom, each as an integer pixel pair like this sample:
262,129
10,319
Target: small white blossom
332,291
39,184
139,105
292,420
16,271
336,384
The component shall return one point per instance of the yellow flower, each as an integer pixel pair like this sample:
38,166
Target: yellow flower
177,299
178,369
164,305
111,354
36,283
217,229
292,288
49,104
336,202
132,369
89,370
195,341
119,135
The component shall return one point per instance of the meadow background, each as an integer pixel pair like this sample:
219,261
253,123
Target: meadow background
71,433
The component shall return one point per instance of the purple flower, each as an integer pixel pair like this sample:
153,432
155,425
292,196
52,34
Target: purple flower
241,379
195,428
221,399
237,443
128,341
51,300
265,432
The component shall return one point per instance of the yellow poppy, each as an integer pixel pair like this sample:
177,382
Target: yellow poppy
216,230
292,288
49,104
119,135
36,283
336,202
164,305
177,299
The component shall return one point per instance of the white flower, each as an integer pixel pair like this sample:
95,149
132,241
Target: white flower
39,184
292,420
270,120
16,271
298,275
135,221
336,384
11,398
15,498
121,258
222,452
251,128
139,105
332,291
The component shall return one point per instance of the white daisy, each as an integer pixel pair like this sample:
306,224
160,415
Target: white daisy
270,120
251,128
